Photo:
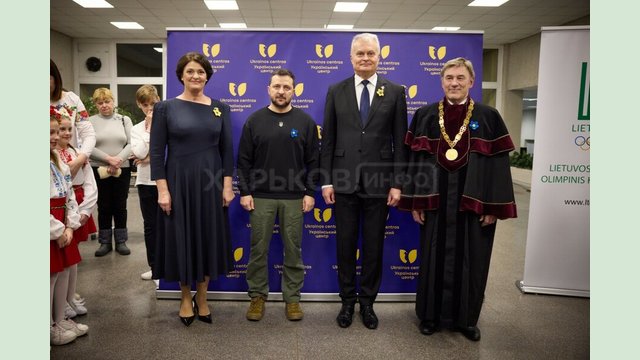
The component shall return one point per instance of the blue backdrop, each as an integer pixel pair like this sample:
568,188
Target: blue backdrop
242,62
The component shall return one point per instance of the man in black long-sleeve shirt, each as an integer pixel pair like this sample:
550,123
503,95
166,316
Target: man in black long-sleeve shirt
277,168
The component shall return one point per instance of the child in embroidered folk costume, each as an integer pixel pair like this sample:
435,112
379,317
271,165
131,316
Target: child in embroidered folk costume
63,220
86,192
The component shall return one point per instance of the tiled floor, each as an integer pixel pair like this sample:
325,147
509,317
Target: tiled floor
128,322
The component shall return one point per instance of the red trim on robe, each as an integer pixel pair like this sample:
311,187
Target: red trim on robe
421,143
492,147
484,147
501,211
417,202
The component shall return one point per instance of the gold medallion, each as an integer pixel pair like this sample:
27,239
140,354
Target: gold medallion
451,154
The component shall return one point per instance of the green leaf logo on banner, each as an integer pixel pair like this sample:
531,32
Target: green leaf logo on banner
583,102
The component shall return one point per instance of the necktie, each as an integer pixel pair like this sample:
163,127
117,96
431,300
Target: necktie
364,103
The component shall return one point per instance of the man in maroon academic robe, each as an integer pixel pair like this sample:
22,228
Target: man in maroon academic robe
459,185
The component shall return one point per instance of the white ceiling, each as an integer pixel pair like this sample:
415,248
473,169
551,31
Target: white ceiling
510,22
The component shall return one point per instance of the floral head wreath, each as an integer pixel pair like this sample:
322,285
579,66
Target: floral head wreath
58,113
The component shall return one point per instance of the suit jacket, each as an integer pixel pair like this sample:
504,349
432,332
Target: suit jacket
374,155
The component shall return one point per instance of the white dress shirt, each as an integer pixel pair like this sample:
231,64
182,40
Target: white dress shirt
373,80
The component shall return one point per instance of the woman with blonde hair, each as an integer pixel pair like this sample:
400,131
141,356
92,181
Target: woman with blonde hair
110,163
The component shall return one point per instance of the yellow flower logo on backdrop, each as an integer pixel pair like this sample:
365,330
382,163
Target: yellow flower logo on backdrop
437,54
270,50
328,50
238,253
211,51
384,52
299,89
413,255
412,91
242,88
322,216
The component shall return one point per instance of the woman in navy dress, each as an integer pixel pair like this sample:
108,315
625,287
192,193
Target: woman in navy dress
192,162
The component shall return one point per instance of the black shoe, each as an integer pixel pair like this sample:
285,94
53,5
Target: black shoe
369,318
103,250
187,320
345,317
203,318
471,332
122,249
428,327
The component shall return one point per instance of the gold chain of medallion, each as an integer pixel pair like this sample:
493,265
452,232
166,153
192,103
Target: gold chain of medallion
452,153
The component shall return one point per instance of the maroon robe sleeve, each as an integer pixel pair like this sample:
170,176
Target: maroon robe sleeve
488,187
420,191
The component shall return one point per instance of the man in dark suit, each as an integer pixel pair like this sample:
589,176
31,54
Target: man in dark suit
362,159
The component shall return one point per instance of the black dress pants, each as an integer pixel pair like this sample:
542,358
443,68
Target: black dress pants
354,213
112,199
148,195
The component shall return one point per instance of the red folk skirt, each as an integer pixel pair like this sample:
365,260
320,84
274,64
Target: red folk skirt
61,258
82,233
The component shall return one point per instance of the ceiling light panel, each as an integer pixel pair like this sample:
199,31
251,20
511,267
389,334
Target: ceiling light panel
127,25
446,28
339,27
487,3
93,4
233,25
221,4
350,6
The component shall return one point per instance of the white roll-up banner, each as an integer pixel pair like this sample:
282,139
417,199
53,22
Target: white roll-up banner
557,250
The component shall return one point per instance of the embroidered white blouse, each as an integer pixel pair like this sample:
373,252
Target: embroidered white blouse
61,186
85,178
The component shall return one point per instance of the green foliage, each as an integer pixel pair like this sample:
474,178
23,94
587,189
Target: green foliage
521,160
89,105
92,110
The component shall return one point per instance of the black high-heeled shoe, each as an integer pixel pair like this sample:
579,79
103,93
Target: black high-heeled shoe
187,320
203,318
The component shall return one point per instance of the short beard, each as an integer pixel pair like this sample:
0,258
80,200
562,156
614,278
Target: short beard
284,106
